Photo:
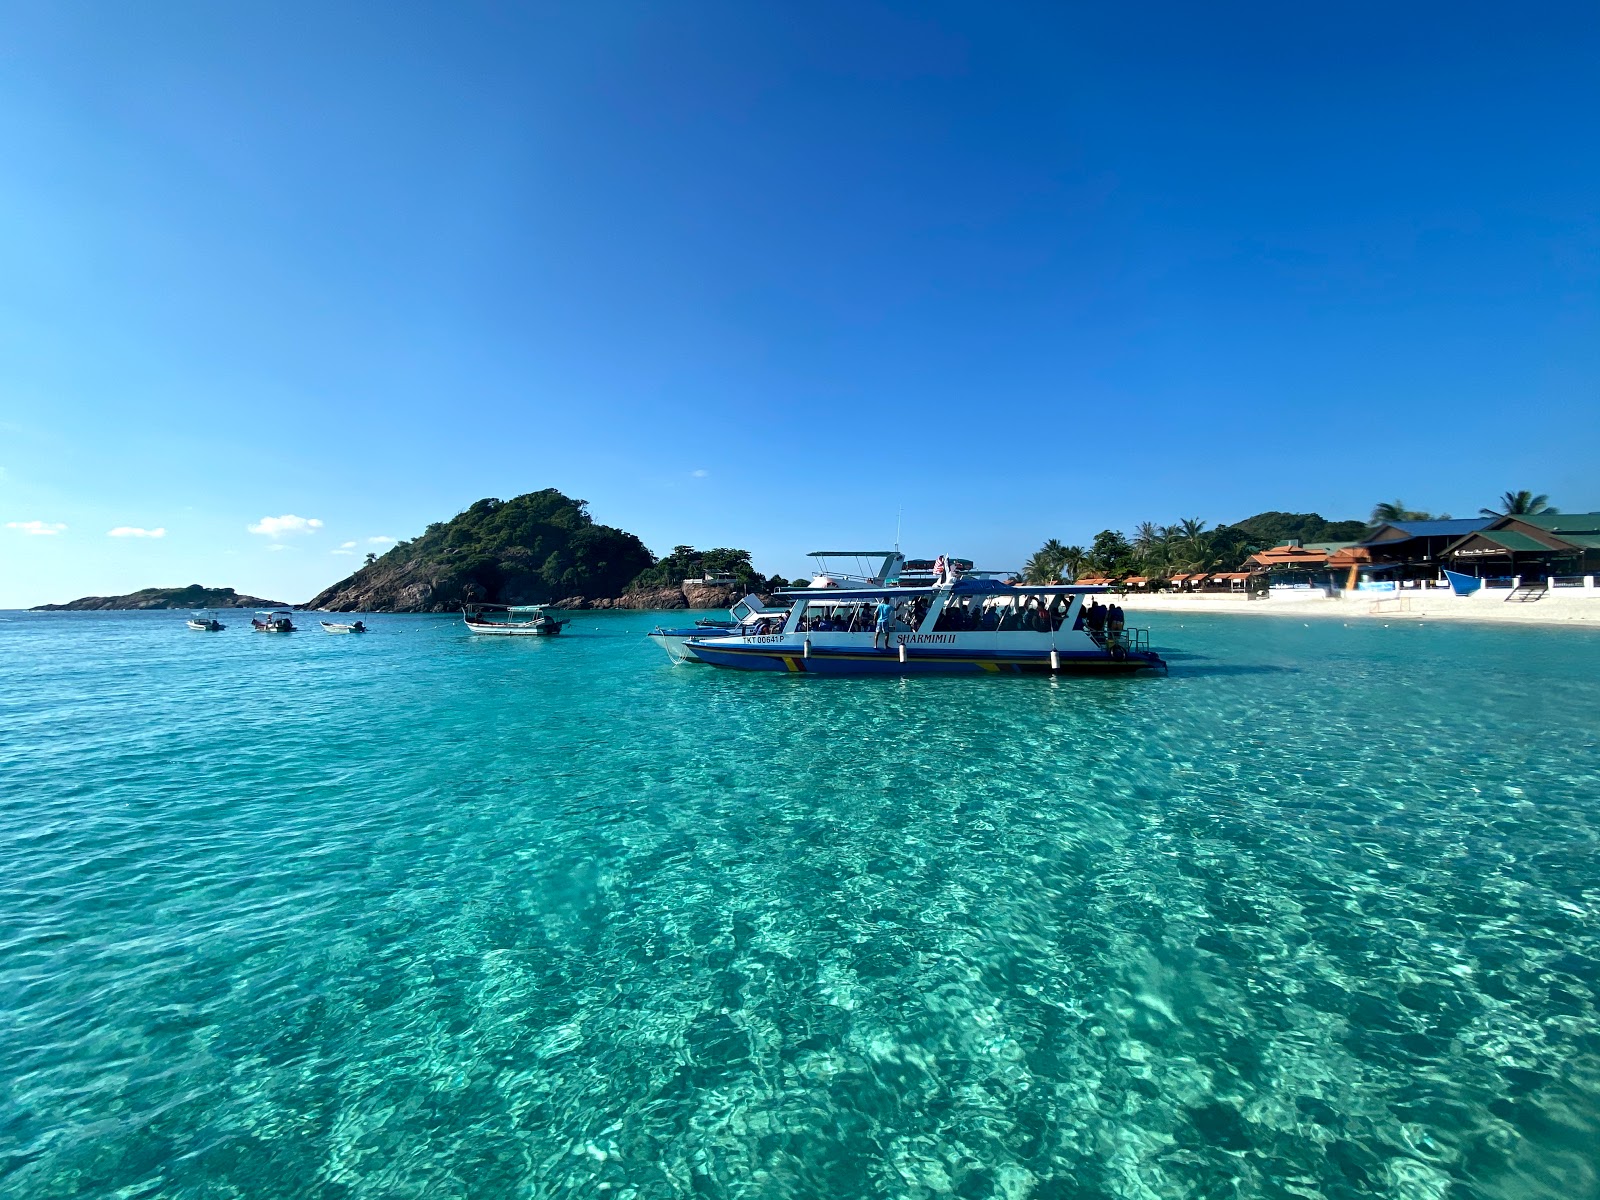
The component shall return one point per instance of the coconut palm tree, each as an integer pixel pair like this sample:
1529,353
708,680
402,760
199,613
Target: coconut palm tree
1519,504
1073,559
1396,510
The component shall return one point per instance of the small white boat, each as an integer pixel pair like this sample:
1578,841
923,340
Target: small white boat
512,620
747,615
339,627
205,624
272,622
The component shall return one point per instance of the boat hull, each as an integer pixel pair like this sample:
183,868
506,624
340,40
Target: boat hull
515,631
795,659
676,642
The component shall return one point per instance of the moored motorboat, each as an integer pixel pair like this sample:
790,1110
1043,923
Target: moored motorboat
340,627
515,620
205,624
958,626
746,614
272,622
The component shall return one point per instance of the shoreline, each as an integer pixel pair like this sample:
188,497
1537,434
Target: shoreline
1580,608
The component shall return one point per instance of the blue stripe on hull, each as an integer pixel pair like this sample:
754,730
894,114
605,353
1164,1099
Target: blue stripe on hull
789,659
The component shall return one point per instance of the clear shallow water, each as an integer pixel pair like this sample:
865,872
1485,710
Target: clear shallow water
418,914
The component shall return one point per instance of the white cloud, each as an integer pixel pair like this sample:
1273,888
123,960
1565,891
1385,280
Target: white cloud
279,546
380,540
37,528
277,527
136,532
347,545
700,474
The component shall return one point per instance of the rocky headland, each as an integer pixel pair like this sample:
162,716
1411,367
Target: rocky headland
539,548
193,596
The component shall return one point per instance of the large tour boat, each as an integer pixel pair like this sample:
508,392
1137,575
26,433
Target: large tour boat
514,620
956,625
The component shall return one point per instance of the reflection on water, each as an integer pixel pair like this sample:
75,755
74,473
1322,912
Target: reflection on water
418,914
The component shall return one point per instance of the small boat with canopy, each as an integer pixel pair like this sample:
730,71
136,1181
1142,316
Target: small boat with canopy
513,620
273,622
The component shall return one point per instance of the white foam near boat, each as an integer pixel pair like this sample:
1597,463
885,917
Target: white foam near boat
512,620
341,627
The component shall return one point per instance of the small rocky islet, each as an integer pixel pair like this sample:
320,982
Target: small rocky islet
192,597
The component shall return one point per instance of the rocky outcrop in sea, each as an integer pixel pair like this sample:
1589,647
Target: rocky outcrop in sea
193,596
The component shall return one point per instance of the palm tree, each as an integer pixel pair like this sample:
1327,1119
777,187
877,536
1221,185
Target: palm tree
1073,559
1037,570
1519,504
1396,510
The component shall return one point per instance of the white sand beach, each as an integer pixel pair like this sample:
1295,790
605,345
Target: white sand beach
1563,606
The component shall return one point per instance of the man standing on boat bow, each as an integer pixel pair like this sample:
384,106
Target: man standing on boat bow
885,625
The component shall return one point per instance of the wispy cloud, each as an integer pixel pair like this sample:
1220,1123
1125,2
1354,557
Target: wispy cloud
700,474
134,531
37,528
284,526
279,546
380,540
347,545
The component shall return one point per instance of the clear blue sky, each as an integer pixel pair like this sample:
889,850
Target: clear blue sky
760,274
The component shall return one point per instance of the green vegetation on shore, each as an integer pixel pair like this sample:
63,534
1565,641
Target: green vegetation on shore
193,596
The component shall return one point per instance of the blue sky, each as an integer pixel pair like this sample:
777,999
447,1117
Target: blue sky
761,275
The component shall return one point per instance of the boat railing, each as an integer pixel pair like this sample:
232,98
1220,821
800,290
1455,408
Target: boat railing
1132,639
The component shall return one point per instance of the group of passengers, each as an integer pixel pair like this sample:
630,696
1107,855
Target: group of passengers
1101,619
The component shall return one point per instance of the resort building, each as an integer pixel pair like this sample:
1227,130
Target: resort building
1558,547
1411,550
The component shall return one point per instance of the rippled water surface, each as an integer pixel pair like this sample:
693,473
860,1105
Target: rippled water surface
423,915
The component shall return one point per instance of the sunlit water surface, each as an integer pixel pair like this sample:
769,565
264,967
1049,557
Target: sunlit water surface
424,915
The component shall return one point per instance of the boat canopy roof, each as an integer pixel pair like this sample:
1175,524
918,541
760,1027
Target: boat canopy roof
961,587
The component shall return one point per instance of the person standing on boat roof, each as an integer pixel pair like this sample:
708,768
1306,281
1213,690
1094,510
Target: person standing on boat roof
885,625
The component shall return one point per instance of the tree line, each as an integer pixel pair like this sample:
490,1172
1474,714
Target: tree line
1187,546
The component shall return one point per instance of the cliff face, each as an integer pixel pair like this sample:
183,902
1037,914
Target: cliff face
688,595
193,596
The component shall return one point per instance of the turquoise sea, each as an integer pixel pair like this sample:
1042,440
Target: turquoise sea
427,915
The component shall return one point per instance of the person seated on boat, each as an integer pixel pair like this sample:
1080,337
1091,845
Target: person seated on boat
884,622
989,621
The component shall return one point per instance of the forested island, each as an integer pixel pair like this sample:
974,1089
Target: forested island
192,597
539,548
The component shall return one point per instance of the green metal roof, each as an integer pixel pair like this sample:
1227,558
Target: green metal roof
1587,541
1563,523
1511,539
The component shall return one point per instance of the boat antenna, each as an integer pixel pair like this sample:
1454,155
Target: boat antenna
898,512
